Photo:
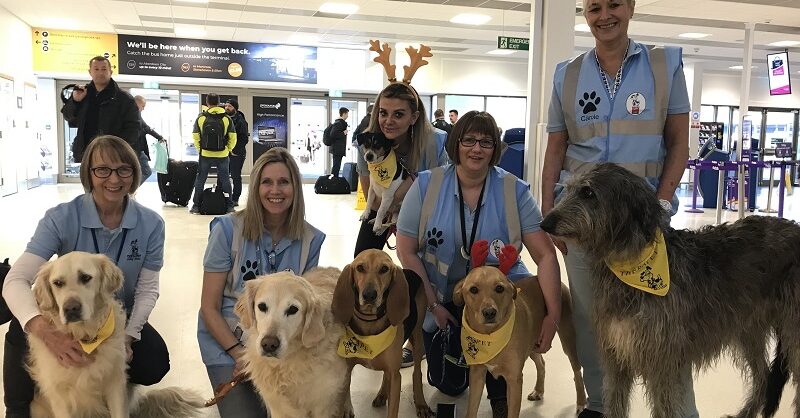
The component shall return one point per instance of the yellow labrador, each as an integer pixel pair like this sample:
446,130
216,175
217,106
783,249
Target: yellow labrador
291,344
76,293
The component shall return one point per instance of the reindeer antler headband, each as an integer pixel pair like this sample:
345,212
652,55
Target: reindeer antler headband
417,60
508,255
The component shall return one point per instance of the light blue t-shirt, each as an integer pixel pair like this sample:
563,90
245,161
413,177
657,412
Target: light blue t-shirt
75,226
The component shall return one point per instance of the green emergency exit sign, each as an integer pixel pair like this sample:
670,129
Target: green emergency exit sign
510,42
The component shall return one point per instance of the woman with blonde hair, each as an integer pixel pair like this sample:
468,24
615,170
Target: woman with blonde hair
269,235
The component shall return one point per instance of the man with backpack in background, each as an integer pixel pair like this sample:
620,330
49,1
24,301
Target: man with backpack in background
335,137
440,123
214,137
239,152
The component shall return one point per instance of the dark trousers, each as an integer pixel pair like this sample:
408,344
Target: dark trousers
149,365
496,388
367,239
337,164
236,163
223,177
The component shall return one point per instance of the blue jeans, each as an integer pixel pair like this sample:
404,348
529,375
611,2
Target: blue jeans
579,272
146,170
242,401
223,176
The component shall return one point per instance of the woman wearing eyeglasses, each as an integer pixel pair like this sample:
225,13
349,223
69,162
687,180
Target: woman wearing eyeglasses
104,220
269,235
474,200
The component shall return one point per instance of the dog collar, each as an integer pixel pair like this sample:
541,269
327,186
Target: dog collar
102,334
383,172
365,346
649,272
481,348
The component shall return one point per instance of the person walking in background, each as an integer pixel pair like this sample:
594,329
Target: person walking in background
214,137
440,123
239,152
626,103
339,137
143,151
101,108
361,163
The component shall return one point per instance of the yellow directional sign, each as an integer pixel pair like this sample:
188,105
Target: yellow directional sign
64,51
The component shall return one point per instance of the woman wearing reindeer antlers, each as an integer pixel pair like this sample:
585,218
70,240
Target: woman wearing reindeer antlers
400,116
489,204
626,103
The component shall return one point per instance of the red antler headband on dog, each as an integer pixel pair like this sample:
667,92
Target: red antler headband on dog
507,257
417,60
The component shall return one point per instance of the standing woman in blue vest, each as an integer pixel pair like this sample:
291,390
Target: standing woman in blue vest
104,220
449,208
626,103
400,115
268,236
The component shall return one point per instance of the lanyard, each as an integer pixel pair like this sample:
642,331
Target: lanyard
612,90
464,243
271,259
121,244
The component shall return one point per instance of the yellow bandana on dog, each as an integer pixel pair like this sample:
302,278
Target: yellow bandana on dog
365,346
383,172
105,331
480,348
650,271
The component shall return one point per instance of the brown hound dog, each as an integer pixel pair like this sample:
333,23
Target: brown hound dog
372,294
489,297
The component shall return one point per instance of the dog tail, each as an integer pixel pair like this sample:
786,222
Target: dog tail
169,402
778,376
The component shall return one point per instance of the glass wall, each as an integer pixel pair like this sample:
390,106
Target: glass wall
307,119
508,112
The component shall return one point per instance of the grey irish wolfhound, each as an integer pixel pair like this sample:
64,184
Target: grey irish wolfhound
732,287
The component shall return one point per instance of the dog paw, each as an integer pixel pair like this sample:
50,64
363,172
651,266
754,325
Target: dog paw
535,396
364,216
424,411
379,401
379,229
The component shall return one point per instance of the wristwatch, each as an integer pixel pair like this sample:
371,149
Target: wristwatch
665,204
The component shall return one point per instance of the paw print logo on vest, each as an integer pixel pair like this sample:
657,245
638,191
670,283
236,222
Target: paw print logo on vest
250,270
435,238
589,102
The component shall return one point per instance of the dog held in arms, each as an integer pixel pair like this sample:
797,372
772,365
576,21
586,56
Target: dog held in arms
373,298
76,293
490,302
386,176
290,349
730,288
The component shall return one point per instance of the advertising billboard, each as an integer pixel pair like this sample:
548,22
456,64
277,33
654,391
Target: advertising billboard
778,67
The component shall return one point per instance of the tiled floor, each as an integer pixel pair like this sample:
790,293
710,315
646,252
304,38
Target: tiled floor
718,389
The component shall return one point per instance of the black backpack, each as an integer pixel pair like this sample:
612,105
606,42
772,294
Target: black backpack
326,135
213,201
212,133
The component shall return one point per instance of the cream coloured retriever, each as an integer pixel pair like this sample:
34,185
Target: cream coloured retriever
291,344
76,293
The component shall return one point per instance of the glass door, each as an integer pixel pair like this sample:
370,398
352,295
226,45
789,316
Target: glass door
9,152
357,108
308,118
779,128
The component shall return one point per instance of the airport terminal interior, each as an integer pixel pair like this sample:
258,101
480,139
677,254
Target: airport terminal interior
306,59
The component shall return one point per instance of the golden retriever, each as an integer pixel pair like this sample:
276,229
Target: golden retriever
489,296
290,348
371,295
76,293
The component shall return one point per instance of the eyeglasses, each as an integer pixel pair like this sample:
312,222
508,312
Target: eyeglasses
105,172
470,142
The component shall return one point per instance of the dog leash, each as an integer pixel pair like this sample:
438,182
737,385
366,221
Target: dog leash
223,389
392,231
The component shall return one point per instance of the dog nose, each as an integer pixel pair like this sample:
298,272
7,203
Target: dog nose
549,223
270,344
72,310
489,313
369,295
368,157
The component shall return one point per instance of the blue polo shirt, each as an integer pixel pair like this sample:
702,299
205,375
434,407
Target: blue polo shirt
75,226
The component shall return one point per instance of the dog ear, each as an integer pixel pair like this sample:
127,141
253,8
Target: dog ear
512,288
112,276
397,302
313,326
344,300
41,289
362,138
458,298
244,305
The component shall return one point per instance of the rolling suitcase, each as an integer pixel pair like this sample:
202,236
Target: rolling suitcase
331,185
176,186
350,174
213,202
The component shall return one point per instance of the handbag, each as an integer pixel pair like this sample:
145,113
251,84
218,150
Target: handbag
447,369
